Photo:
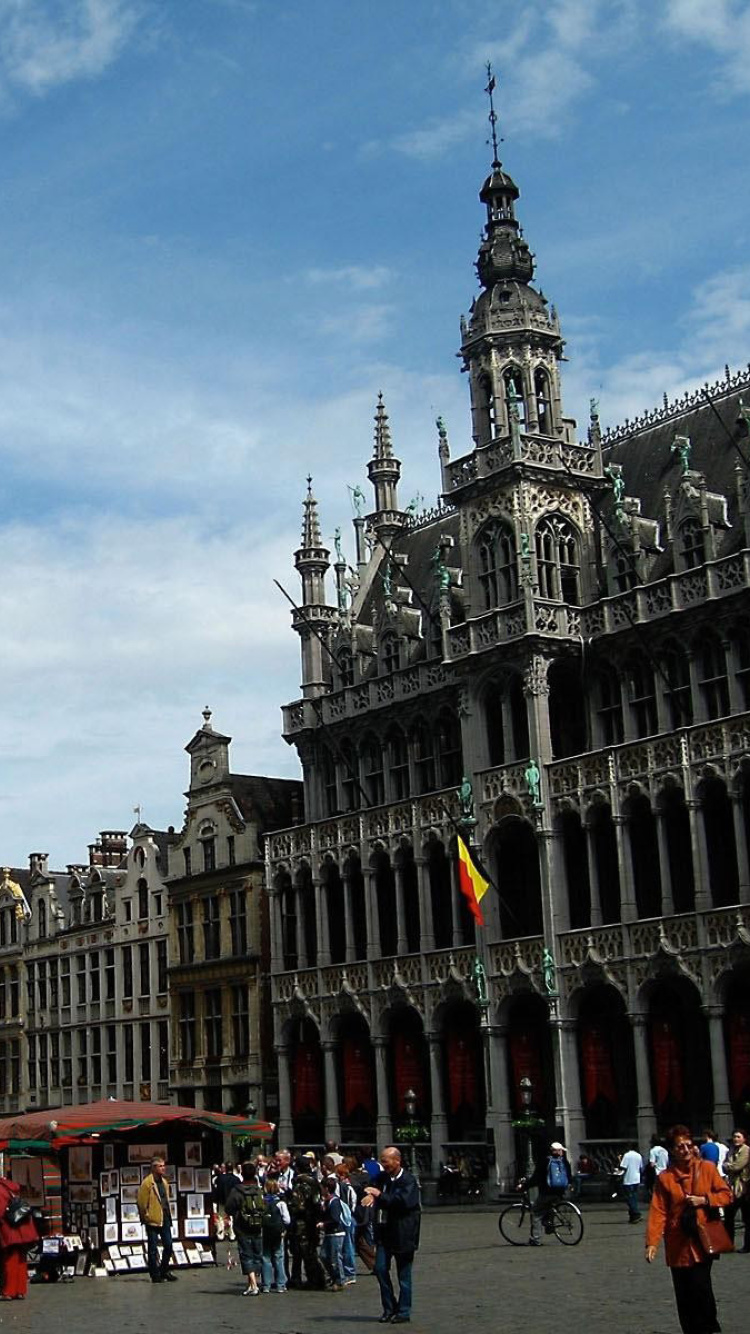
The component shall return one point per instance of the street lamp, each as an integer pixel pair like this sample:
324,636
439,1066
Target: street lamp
526,1093
410,1104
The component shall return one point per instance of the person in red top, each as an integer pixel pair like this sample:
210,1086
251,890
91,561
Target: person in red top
13,1243
686,1180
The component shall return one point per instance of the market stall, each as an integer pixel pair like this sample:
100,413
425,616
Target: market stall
84,1166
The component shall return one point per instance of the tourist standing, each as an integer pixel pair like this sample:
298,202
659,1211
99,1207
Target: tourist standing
14,1239
688,1184
737,1172
395,1198
155,1213
631,1166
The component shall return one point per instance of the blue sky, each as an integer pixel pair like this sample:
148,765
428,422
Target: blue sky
224,226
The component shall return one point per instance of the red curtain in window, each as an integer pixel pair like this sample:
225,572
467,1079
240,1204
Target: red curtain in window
462,1068
525,1063
598,1070
358,1090
408,1070
668,1063
739,1053
307,1086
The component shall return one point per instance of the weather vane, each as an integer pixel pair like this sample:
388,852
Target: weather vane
491,85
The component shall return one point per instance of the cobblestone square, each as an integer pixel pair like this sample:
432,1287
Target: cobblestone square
465,1276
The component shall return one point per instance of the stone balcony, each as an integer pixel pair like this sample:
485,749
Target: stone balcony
542,451
378,692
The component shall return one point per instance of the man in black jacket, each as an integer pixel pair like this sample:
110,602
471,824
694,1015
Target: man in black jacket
395,1198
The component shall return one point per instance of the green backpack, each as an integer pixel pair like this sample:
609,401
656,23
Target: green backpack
252,1209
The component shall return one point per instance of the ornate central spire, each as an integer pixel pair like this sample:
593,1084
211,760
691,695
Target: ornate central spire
383,448
310,526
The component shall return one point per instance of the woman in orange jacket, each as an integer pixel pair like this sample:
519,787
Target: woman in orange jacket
686,1181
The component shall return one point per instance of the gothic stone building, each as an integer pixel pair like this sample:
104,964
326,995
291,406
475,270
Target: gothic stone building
221,1051
569,631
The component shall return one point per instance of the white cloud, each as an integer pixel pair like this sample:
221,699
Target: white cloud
722,26
45,43
357,277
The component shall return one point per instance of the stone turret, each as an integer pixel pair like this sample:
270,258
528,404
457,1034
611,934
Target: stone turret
384,471
314,620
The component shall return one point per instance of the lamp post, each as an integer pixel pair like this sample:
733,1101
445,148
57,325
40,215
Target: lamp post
410,1105
526,1093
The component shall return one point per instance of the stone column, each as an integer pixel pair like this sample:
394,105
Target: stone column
299,900
628,907
665,871
274,921
568,1109
502,1112
723,1120
700,857
427,941
593,865
285,1126
456,937
383,1125
740,839
646,1119
348,921
332,1119
371,916
439,1124
401,941
321,924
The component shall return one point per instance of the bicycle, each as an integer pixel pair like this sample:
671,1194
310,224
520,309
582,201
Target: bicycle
560,1217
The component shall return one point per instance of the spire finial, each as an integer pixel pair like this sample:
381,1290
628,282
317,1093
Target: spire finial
383,448
310,525
491,85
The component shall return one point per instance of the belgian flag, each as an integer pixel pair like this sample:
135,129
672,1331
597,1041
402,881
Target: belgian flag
471,882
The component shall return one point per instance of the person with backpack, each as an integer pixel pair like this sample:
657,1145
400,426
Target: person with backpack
246,1207
336,1219
348,1195
275,1223
304,1211
550,1181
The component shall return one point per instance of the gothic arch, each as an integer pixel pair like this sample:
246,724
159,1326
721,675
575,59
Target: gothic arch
558,559
497,563
514,856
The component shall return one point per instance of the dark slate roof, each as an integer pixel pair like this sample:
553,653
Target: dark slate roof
272,803
649,467
418,545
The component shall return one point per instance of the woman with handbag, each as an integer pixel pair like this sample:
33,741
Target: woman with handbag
737,1172
17,1231
685,1195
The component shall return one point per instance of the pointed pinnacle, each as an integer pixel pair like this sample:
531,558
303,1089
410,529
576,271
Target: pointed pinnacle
383,448
310,525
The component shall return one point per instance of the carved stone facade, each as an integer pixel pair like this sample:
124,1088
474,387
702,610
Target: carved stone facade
569,632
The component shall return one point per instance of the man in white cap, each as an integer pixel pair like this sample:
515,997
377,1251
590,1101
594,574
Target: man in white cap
550,1181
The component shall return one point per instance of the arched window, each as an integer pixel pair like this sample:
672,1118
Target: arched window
609,706
623,570
678,693
398,752
345,667
390,653
498,575
424,757
372,768
486,409
558,560
692,544
642,697
351,796
543,404
515,403
712,676
494,720
328,783
448,749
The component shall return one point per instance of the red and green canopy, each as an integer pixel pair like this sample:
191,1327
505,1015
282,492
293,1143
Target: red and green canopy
55,1127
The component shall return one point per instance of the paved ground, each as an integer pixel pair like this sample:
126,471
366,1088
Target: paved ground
465,1277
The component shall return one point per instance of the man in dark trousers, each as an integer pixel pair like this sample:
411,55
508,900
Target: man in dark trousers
395,1198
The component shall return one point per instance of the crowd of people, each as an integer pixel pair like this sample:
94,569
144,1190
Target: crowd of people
301,1223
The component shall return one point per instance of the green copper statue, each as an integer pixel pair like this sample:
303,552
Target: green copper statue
533,779
442,573
480,981
466,798
681,447
337,544
548,973
358,499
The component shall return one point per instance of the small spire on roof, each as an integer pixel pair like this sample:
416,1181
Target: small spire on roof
310,525
383,449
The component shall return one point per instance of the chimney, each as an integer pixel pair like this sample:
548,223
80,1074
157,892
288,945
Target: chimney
39,863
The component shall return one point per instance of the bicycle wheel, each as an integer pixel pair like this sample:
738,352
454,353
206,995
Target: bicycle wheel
567,1223
513,1224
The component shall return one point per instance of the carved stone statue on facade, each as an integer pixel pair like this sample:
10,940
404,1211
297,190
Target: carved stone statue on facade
532,777
682,448
548,973
466,798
